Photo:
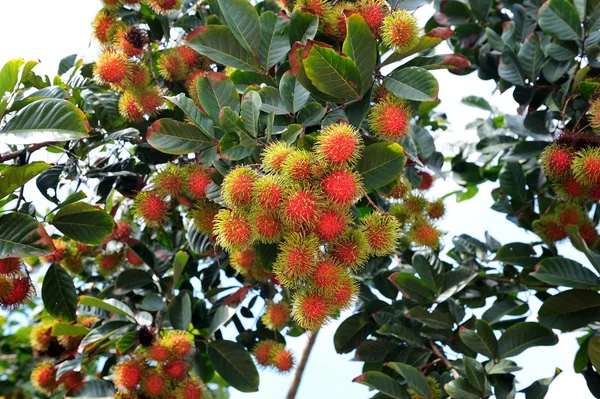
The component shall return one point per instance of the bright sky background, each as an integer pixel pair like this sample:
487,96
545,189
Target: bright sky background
55,29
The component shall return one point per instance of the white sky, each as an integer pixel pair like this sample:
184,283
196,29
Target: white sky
55,29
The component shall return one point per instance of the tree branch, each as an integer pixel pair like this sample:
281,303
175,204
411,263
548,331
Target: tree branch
301,366
15,154
436,351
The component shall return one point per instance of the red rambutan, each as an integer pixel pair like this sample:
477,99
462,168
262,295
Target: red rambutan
40,337
588,232
331,224
238,187
197,180
381,231
400,31
172,66
282,359
426,180
390,119
159,352
242,261
233,229
269,192
176,369
189,55
101,25
128,374
262,352
150,99
43,377
556,161
151,207
311,310
130,108
424,234
345,292
327,277
298,166
350,250
267,226
276,315
112,67
15,291
170,181
275,155
10,265
297,258
203,214
586,166
131,40
341,187
571,189
190,388
301,208
180,343
153,384
374,12
436,209
133,258
338,143
165,6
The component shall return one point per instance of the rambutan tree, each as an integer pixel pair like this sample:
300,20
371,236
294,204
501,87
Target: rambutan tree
255,170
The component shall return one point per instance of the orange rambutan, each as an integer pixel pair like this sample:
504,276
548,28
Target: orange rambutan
171,65
238,187
203,214
43,377
131,40
436,209
130,108
331,224
350,250
390,119
139,78
424,234
282,359
338,143
297,258
176,369
269,192
15,291
133,258
101,25
571,189
275,155
327,277
153,384
40,337
374,12
415,203
335,19
262,352
128,374
233,229
189,55
586,166
165,6
556,161
345,293
197,180
276,315
267,226
190,388
180,343
401,189
112,67
382,232
301,207
170,181
151,207
342,187
159,352
10,265
311,310
400,31
298,166
108,262
242,261
150,100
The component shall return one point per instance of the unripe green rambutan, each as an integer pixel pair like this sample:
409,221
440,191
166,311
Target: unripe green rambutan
43,377
197,180
435,392
171,66
243,261
550,229
424,234
151,207
102,23
436,209
130,108
190,388
15,291
238,187
108,263
571,190
131,40
586,166
588,232
275,155
381,231
556,161
282,359
128,374
402,189
594,116
112,67
262,352
331,224
154,384
311,310
415,203
402,213
297,258
269,192
170,181
390,119
10,265
342,187
40,337
276,315
350,250
327,277
165,6
345,293
374,12
267,226
176,369
338,144
400,31
301,207
203,214
319,7
298,166
233,229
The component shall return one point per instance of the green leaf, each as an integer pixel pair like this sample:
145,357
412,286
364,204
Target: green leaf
104,331
9,75
559,18
461,389
251,103
360,45
275,43
127,342
231,147
13,177
412,288
351,333
594,351
477,102
234,364
475,373
191,110
22,235
532,57
413,377
383,383
539,388
517,253
502,366
132,279
522,336
293,95
425,271
311,114
242,19
303,25
84,222
380,164
110,305
59,294
413,83
374,350
105,106
181,259
180,312
271,101
436,319
218,43
565,272
291,133
332,73
512,181
501,308
177,138
401,332
431,39
233,123
60,329
510,68
569,310
481,341
481,8
217,93
45,120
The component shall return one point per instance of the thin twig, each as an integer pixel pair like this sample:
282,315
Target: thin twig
301,366
15,154
436,350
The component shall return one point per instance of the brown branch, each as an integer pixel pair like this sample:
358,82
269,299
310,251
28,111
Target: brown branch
15,154
436,350
301,366
371,201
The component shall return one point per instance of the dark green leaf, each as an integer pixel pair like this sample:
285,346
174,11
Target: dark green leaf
380,164
84,222
383,383
234,364
413,377
481,341
360,45
461,389
242,19
173,137
274,44
13,177
22,235
180,312
413,83
559,18
522,336
59,294
565,272
569,310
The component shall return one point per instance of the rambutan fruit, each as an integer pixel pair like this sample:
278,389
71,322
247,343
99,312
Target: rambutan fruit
297,258
130,108
327,277
401,212
128,374
189,55
159,352
72,381
43,377
586,166
242,261
435,392
180,343
190,388
374,12
390,119
275,155
165,6
331,224
594,116
40,337
401,189
6,286
571,189
197,180
298,166
102,23
436,209
269,192
238,187
426,180
556,161
60,249
176,369
342,187
595,192
87,321
301,207
10,265
267,226
276,315
282,359
345,293
350,250
131,40
72,261
153,384
549,228
133,258
191,83
139,78
381,231
203,215
311,310
233,229
424,234
262,352
112,67
569,214
170,181
122,231
171,66
108,263
151,207
111,4
415,203
400,31
335,19
319,7
260,274
588,232
150,100
338,144
15,291
285,5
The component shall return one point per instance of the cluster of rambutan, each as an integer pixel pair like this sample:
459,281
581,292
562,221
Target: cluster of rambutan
70,254
572,164
435,391
269,353
159,369
301,201
15,285
159,6
552,226
416,214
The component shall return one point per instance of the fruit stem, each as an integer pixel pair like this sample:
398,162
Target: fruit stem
301,365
